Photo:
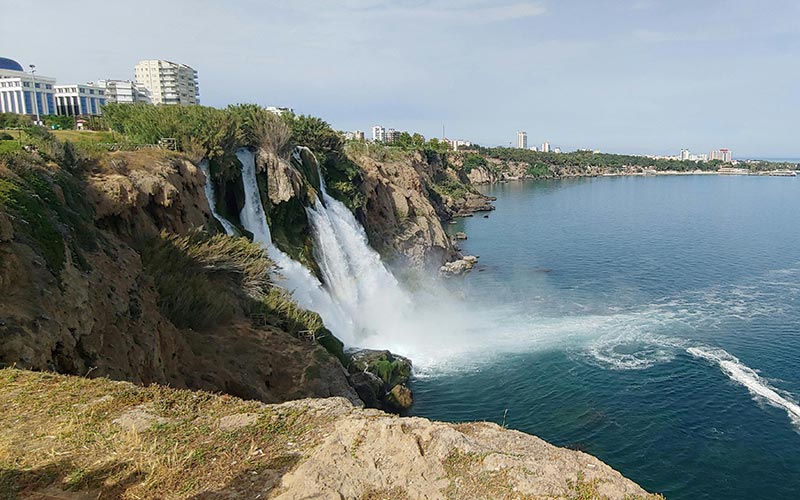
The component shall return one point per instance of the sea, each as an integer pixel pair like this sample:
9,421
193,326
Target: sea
653,322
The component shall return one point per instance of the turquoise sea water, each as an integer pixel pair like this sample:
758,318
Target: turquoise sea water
651,321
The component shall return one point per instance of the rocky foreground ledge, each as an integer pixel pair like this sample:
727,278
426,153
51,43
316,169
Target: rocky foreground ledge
70,438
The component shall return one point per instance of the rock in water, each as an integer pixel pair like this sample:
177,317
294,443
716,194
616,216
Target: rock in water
380,378
458,267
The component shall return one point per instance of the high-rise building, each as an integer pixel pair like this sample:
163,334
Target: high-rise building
25,93
392,135
685,154
168,82
80,99
522,140
125,91
721,154
545,147
358,135
378,134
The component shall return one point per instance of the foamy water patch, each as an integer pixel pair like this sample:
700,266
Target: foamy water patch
759,388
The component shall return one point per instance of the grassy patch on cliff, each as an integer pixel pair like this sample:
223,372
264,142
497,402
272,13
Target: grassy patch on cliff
108,439
202,279
48,208
205,280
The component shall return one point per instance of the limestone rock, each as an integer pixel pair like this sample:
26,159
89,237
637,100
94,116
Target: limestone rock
458,267
362,453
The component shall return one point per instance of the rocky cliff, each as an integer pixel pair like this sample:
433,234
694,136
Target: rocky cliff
112,440
87,287
409,195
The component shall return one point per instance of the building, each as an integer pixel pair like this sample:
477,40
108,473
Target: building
545,147
685,154
722,155
358,135
534,148
80,99
125,91
392,135
25,93
168,82
378,134
522,140
557,150
279,111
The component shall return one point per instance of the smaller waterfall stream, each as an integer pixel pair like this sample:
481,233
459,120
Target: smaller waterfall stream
230,230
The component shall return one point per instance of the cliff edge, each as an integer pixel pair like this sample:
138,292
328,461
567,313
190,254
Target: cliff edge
70,438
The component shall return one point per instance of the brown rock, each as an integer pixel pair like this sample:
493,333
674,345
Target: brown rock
6,229
400,396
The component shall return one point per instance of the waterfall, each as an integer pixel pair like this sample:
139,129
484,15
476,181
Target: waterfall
353,272
230,230
361,302
305,288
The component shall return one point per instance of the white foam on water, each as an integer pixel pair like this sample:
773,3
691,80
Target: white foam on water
742,374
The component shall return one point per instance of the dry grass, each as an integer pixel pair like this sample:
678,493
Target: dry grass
58,432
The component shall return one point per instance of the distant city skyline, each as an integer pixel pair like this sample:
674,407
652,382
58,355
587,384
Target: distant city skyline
630,76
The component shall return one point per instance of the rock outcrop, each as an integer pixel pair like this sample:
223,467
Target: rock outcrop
380,378
409,196
199,445
458,267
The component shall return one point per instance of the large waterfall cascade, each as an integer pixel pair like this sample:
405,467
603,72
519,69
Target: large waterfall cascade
361,302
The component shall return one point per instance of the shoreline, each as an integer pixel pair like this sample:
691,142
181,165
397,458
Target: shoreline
665,173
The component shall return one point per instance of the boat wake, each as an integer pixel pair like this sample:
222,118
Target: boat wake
742,374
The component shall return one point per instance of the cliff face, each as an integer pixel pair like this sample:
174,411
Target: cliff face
115,440
408,198
79,298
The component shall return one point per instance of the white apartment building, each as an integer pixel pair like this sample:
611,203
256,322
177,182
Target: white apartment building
168,82
80,99
25,93
545,147
125,91
721,154
278,110
378,134
685,154
522,140
358,135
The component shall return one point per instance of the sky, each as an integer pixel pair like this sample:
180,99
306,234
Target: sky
629,76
